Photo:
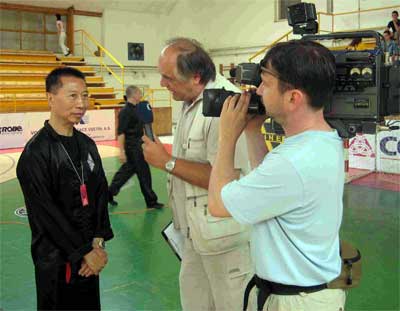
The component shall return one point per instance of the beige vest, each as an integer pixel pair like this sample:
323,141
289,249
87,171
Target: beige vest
210,235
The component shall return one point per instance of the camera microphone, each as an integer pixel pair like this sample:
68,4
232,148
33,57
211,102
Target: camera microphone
145,114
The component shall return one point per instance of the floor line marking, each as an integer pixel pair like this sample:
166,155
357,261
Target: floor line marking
12,164
122,286
133,212
13,223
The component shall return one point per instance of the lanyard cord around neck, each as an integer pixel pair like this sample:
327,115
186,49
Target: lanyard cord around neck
81,180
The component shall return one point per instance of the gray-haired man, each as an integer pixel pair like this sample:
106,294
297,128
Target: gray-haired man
216,261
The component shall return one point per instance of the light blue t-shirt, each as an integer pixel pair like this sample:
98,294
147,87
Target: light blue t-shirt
293,200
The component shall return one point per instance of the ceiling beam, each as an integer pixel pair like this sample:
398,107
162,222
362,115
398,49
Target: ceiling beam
39,9
88,13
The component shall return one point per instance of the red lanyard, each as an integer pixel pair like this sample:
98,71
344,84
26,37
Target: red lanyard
82,188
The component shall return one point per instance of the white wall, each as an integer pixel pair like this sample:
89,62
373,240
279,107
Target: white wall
106,32
114,30
121,27
93,25
145,78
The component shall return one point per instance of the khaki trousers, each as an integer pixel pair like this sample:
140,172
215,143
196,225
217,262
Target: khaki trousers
324,300
214,282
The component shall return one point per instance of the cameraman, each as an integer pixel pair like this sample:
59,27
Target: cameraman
293,196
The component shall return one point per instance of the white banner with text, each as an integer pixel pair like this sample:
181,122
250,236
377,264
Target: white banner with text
17,128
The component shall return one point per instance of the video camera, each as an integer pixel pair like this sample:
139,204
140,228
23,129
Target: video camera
244,74
366,90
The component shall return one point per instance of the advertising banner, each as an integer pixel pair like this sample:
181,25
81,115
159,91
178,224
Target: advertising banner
12,127
362,152
98,124
389,152
34,122
17,128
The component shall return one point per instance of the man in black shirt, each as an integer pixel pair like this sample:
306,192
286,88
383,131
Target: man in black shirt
130,132
394,26
65,191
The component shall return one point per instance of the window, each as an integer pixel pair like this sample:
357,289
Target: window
282,6
29,30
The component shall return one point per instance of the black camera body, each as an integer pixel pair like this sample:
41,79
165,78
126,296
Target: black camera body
244,74
302,17
213,100
366,89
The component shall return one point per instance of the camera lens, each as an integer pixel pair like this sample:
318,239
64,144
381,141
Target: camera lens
352,129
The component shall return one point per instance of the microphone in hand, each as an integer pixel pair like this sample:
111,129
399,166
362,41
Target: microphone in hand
145,114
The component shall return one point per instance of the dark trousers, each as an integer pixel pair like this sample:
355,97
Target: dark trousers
135,164
53,292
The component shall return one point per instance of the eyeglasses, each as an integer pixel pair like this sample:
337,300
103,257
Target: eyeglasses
277,76
271,72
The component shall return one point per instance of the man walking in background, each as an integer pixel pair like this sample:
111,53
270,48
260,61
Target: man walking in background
130,132
61,35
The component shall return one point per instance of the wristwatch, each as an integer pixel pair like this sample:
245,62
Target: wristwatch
170,165
99,243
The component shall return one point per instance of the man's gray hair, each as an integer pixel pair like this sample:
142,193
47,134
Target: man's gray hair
131,90
192,59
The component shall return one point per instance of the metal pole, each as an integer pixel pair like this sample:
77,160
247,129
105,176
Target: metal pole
44,30
20,30
83,51
123,79
346,145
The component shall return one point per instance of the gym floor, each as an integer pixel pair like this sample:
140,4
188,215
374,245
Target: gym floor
142,273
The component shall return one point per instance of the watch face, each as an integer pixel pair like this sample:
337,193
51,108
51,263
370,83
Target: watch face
170,165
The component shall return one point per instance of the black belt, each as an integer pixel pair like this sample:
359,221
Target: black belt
267,288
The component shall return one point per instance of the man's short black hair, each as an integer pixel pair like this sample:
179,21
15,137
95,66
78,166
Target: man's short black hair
303,65
53,80
58,16
395,12
192,59
388,32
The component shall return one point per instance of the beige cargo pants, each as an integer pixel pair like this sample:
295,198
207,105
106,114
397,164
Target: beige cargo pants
215,282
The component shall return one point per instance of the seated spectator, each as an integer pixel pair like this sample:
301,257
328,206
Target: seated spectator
394,26
391,47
